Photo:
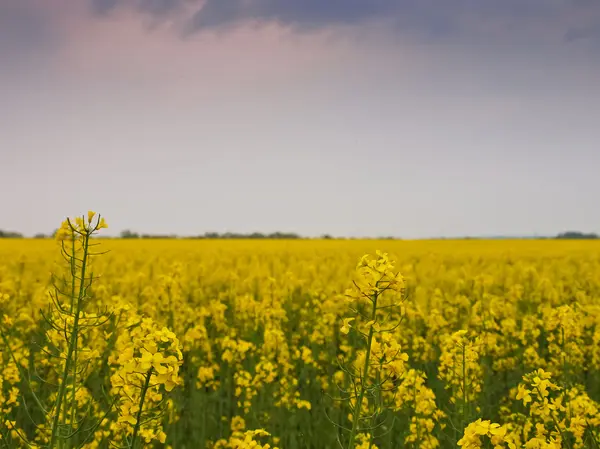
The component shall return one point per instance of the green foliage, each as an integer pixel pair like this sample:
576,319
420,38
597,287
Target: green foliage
127,234
577,235
253,235
10,235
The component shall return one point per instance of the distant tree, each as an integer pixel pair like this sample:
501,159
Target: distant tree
576,235
283,235
10,235
326,237
158,236
127,234
253,235
40,236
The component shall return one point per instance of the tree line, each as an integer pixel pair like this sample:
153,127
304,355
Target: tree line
128,234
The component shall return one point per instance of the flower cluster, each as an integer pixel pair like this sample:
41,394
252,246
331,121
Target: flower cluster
147,360
563,416
460,367
80,226
375,276
483,428
243,439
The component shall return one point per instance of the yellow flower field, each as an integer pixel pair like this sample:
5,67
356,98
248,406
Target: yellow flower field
298,344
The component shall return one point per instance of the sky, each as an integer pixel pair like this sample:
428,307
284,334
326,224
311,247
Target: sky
410,118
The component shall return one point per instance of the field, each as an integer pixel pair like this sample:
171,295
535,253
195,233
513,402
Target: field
299,344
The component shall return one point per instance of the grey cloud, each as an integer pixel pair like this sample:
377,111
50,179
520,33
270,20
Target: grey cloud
310,13
589,32
314,12
156,8
103,6
306,13
25,32
159,7
22,23
433,18
217,13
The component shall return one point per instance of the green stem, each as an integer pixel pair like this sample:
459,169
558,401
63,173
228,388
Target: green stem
138,419
591,430
3,436
416,417
363,382
464,378
378,407
556,424
74,380
73,341
564,356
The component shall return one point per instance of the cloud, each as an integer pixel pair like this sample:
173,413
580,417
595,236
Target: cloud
103,6
568,19
26,26
158,8
429,14
25,33
581,33
305,13
20,22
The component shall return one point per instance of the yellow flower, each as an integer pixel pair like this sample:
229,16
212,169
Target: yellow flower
523,394
102,224
481,427
373,324
149,360
345,329
64,232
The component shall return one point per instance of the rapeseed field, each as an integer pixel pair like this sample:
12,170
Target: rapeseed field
310,344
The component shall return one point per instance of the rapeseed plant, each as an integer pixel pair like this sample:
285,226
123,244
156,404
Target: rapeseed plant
376,305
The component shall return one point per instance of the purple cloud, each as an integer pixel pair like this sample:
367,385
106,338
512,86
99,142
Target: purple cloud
588,32
153,7
432,18
25,32
103,6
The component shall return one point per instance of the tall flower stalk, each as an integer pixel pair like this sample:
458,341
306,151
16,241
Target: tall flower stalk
67,318
376,308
